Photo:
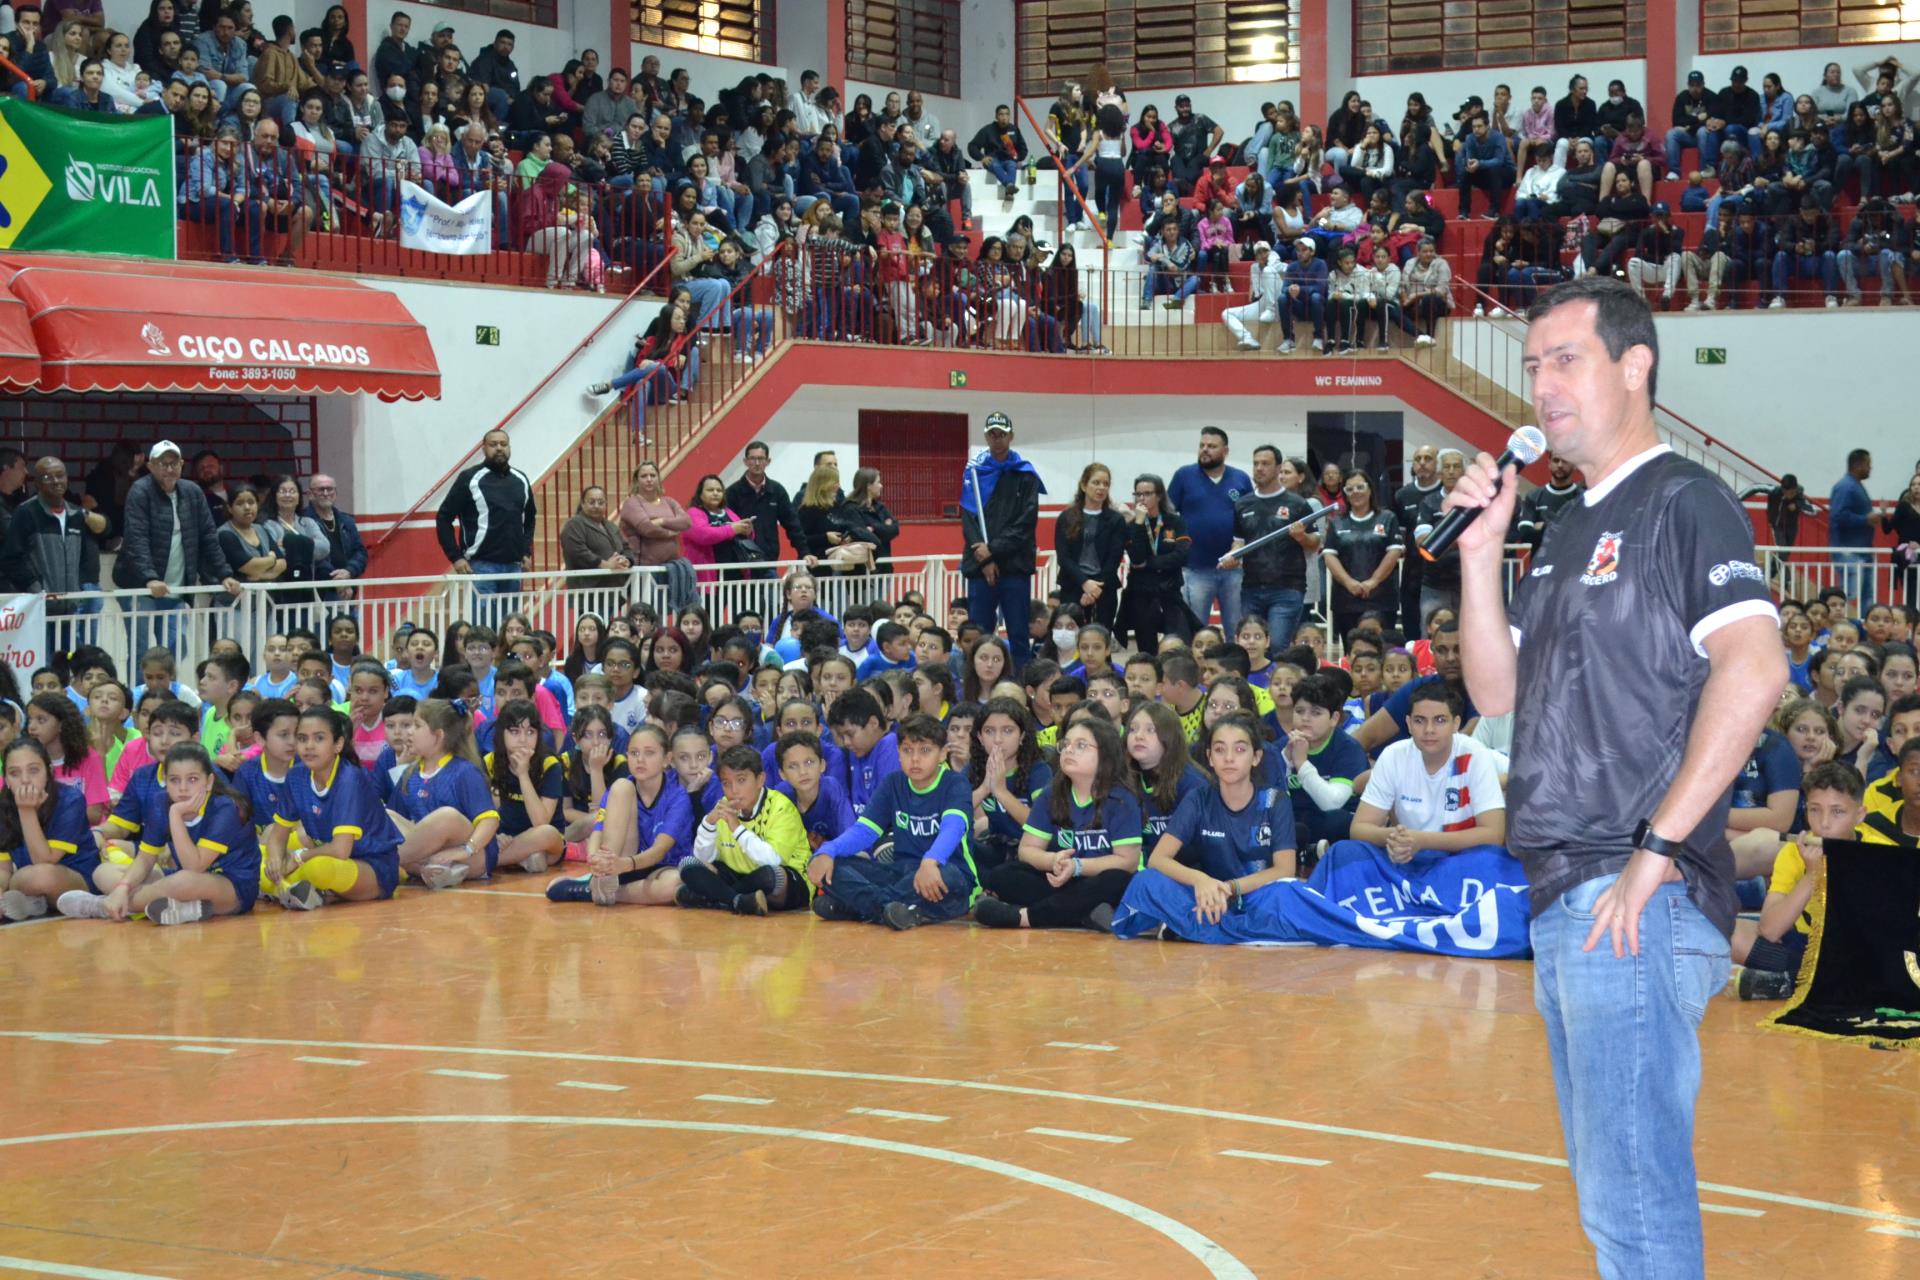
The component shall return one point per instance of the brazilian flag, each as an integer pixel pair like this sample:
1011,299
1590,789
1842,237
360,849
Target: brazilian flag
80,182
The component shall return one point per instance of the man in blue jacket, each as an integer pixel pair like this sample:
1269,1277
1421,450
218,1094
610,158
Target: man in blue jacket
1305,296
823,177
1850,524
999,509
1204,493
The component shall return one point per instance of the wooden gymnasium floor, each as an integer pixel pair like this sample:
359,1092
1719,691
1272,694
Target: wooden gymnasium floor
479,1084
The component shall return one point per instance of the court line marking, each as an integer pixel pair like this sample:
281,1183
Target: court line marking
1894,1231
981,1086
1218,1262
734,1097
1507,1183
1077,1135
55,1038
1274,1156
1737,1211
467,1075
590,1084
885,1114
333,1062
202,1048
1091,1048
65,1269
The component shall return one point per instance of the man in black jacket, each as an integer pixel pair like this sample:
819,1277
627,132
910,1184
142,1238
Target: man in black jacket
169,544
1001,149
998,561
493,67
347,552
765,501
486,521
49,548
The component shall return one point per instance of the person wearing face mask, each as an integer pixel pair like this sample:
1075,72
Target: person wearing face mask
1615,110
485,523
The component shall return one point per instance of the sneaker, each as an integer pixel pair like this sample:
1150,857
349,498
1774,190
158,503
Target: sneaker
1174,303
442,875
169,911
1286,348
1499,313
1886,299
1423,340
1320,346
605,890
599,388
1712,303
1479,309
301,896
751,904
1101,918
995,914
1852,300
1832,302
683,897
1694,305
1249,346
1310,858
82,905
15,905
1146,304
902,916
1778,304
1764,984
536,863
828,907
1672,176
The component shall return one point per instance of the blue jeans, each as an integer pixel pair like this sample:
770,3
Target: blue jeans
1822,266
866,887
1624,1038
496,586
1182,284
1083,179
1204,586
709,297
1009,600
1280,607
1856,575
1005,172
1310,305
1879,265
75,622
752,330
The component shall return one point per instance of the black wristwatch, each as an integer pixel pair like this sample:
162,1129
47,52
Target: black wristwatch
1644,838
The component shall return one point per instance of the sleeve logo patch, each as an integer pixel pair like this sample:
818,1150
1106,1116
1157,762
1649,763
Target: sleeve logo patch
1721,574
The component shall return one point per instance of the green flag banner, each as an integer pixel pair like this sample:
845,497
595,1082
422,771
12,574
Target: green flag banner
77,182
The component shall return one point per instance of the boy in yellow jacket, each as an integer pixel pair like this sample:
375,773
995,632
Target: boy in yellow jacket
750,853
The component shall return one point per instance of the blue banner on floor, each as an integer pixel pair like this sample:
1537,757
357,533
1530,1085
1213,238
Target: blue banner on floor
1471,903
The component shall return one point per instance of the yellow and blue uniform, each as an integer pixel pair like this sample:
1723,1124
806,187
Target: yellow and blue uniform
220,830
1883,796
129,816
345,803
550,783
67,833
456,784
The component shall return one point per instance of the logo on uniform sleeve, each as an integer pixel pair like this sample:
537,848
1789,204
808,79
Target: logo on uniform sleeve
1604,565
1721,574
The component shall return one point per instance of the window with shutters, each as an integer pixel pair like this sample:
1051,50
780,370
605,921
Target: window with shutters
539,13
1434,35
1730,26
905,44
725,28
1156,44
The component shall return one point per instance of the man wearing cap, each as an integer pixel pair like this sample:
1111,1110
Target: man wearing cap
430,61
999,509
1194,139
1660,249
1736,110
1267,282
1691,111
168,543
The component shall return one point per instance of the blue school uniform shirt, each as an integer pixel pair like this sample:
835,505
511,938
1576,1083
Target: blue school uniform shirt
266,795
549,782
831,756
562,690
68,834
1341,759
877,664
1226,844
403,682
1095,829
1772,767
913,817
1155,813
670,814
485,681
220,830
342,673
1797,672
455,783
346,802
1000,823
831,814
865,774
267,687
386,772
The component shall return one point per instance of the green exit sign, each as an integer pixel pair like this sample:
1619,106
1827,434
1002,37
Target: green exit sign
486,335
1709,355
957,378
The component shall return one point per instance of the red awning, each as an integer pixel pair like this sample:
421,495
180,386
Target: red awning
19,352
145,325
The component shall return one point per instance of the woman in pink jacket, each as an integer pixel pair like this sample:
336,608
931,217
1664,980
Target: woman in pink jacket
713,531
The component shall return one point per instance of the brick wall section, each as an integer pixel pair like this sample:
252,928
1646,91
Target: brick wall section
253,434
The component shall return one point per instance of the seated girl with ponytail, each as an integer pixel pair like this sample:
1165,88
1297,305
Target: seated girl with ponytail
529,781
643,832
751,852
442,803
215,854
46,849
348,846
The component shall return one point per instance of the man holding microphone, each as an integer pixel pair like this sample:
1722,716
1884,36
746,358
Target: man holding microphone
1641,659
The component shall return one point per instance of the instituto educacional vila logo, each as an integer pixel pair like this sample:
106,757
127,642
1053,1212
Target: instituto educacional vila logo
113,192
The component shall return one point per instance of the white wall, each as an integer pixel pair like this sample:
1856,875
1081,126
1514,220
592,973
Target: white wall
987,55
385,455
1446,90
802,26
1800,69
708,74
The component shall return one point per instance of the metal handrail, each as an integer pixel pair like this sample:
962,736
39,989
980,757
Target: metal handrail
1093,218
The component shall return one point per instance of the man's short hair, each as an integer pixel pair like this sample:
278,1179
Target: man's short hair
855,707
1230,657
1180,668
1835,775
1320,691
1438,690
1622,319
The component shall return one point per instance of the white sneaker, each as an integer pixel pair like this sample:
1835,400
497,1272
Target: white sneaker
1499,313
1832,302
440,875
1778,304
15,905
1672,176
1423,340
301,896
1249,346
1886,298
1712,303
82,905
1320,346
1286,347
1852,300
1479,309
1694,305
599,388
169,911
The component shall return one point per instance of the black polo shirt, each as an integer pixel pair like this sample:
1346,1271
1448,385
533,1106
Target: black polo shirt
1280,565
1611,623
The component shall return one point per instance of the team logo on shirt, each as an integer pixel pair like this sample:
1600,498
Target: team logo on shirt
1604,565
1721,574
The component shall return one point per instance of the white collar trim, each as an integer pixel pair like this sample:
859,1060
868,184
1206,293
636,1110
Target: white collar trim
1595,495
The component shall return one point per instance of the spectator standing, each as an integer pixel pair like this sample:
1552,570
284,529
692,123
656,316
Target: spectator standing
486,521
168,544
1204,493
758,497
1407,502
1274,576
999,509
49,548
1903,522
347,553
1786,503
1157,547
1090,537
652,524
1850,524
14,489
591,541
